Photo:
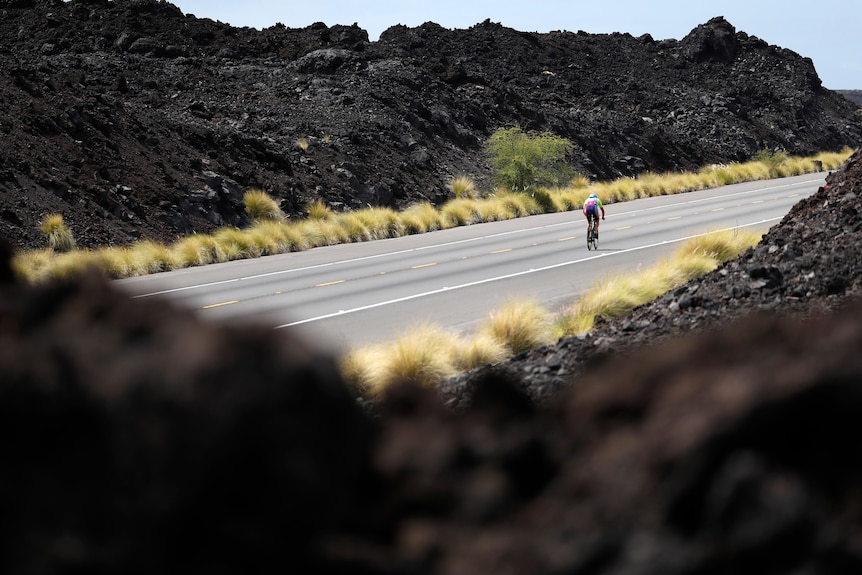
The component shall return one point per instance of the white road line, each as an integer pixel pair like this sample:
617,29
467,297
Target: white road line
508,276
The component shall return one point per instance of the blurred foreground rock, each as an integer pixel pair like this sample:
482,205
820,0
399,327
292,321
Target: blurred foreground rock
135,439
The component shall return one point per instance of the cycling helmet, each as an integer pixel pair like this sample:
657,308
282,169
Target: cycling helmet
593,196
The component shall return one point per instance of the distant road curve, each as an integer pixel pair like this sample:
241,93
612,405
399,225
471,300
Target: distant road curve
349,295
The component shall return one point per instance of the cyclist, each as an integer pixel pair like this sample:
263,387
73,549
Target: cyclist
591,211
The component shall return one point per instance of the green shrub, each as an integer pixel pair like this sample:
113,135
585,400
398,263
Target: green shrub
523,159
544,201
771,159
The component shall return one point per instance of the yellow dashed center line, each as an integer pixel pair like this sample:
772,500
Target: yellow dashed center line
757,202
222,304
718,210
502,251
567,239
423,266
331,283
674,218
623,228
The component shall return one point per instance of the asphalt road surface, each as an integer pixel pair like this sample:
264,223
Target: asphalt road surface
355,294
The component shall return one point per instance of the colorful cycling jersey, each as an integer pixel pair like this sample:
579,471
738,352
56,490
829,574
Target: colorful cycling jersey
592,206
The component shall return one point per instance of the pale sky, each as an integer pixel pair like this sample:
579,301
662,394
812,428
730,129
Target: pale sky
826,31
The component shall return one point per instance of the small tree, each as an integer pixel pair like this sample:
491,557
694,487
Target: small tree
60,238
772,159
522,159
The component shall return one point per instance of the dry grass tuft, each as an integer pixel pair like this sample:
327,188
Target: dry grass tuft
619,294
519,325
463,187
318,210
421,218
60,238
271,234
478,350
260,207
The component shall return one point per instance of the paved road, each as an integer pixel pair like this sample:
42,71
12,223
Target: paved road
349,295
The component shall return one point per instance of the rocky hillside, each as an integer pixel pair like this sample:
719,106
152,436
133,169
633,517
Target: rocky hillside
713,431
854,96
134,120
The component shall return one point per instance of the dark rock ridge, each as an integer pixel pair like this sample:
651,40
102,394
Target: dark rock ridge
134,120
714,431
854,96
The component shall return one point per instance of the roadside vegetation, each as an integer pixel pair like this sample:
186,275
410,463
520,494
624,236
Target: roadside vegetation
531,178
530,181
427,353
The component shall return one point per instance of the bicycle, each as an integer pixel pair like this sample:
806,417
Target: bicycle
593,233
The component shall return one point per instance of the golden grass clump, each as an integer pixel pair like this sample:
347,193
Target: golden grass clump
354,227
721,246
318,210
579,181
619,294
31,265
60,238
833,160
481,349
463,187
626,189
261,207
493,209
141,258
421,218
423,355
381,222
272,238
519,325
571,198
524,204
463,211
323,232
611,297
70,264
362,369
195,250
236,244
